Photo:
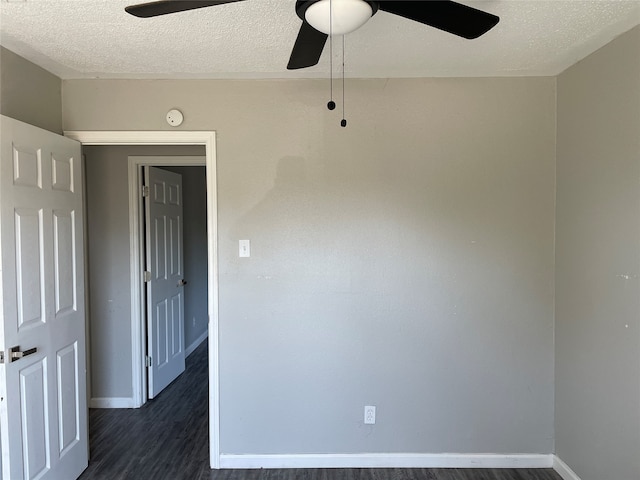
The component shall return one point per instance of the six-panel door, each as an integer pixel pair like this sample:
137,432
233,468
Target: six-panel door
43,409
165,290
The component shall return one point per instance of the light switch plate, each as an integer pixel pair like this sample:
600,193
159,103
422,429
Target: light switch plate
244,248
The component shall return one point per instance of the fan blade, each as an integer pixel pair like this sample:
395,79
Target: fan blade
445,15
162,7
308,47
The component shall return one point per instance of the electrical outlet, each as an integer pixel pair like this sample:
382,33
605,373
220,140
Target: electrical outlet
194,321
369,415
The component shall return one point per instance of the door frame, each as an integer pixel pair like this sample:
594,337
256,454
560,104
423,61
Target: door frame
208,139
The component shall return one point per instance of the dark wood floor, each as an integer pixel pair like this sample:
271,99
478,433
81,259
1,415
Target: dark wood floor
168,439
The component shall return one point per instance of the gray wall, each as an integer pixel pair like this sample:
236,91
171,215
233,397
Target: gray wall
194,188
29,93
406,261
598,263
109,267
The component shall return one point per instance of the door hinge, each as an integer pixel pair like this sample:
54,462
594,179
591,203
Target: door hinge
147,361
1,356
145,191
146,276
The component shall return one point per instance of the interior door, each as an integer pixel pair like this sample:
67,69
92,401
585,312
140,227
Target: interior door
165,289
43,403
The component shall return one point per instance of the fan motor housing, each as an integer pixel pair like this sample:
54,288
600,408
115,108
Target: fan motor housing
302,5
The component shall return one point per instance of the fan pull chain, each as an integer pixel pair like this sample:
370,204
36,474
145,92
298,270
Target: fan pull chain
331,105
343,122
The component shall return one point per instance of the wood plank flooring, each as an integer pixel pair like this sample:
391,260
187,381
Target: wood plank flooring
134,444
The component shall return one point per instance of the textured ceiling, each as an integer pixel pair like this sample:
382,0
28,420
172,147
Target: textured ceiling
253,39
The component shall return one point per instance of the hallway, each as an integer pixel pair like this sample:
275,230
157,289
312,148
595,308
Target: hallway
167,438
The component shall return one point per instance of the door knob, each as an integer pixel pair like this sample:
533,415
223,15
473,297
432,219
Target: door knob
16,354
182,283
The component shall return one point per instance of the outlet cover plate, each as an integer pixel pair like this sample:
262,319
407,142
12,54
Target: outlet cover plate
369,414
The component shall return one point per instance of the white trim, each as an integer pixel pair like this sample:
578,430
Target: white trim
212,304
138,364
112,402
179,137
123,137
388,460
174,160
563,469
196,343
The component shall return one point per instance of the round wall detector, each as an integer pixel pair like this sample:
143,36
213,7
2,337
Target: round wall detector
174,117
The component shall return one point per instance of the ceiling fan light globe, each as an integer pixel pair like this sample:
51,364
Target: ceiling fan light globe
346,15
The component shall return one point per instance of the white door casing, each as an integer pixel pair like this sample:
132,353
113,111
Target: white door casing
175,137
43,409
165,288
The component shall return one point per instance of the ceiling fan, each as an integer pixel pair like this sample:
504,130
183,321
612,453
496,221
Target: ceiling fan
321,18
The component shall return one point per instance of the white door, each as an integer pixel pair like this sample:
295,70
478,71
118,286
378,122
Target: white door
43,403
165,290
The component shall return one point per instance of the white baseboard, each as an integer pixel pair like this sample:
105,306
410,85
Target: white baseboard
111,402
563,470
387,460
189,350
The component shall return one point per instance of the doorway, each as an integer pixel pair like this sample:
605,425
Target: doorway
206,139
193,292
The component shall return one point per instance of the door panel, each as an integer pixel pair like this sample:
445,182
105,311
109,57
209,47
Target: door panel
27,163
159,242
68,398
34,416
29,274
62,172
43,409
162,320
165,299
175,247
64,259
177,307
